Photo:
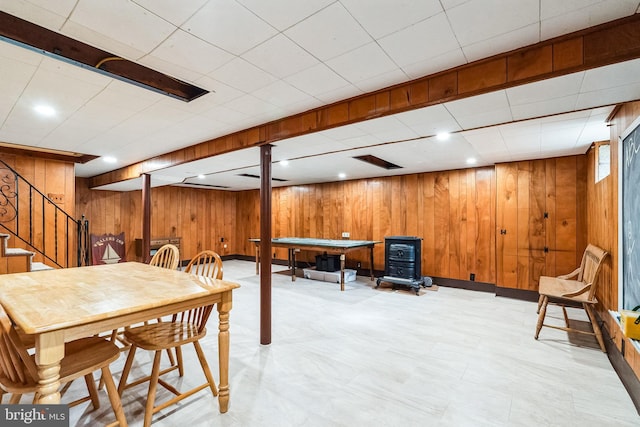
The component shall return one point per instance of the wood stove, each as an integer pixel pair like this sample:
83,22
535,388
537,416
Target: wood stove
403,262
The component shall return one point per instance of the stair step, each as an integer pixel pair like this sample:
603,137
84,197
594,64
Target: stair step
39,266
17,252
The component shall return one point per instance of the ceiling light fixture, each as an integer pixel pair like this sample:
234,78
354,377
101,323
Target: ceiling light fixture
201,176
342,175
45,110
284,162
471,161
109,159
443,136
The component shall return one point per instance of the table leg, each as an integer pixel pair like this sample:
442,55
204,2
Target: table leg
293,264
371,262
224,307
49,353
342,259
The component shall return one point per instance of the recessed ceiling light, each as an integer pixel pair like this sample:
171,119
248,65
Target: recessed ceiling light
201,176
342,175
109,159
471,161
45,110
284,162
443,136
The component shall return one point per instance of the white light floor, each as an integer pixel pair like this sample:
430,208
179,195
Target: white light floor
377,357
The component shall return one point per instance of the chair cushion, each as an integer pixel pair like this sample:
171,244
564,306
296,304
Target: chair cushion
163,335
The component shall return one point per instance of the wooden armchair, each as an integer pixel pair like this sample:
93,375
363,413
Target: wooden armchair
186,327
19,374
563,290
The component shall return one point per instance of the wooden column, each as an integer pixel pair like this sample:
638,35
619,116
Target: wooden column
265,244
146,218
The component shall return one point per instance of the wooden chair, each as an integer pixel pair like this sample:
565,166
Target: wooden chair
168,256
579,291
186,327
19,374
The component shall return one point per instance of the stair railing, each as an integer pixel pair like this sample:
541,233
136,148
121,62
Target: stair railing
34,218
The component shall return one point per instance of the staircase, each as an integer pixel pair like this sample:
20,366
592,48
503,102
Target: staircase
41,228
17,260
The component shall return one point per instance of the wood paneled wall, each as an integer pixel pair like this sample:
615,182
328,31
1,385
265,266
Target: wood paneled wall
454,212
602,230
51,177
202,218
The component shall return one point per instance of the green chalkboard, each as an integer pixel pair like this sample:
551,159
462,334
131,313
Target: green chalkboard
630,218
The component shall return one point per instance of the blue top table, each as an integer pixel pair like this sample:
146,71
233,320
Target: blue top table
334,246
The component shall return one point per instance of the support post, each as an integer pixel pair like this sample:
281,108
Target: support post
265,244
146,218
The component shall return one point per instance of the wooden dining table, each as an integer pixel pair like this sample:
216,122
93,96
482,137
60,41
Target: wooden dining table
57,306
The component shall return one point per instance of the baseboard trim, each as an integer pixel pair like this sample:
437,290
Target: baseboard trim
522,294
465,284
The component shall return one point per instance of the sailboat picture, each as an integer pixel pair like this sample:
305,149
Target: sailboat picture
107,248
110,255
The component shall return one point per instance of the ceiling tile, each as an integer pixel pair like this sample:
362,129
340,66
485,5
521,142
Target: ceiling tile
329,33
483,110
282,14
543,108
412,44
506,16
502,43
317,80
121,21
228,25
280,57
435,64
387,128
611,76
430,121
176,12
362,63
616,95
243,76
559,87
382,17
384,80
281,94
183,55
44,13
562,17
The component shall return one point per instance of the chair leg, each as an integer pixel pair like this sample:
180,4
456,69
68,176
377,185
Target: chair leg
172,361
179,357
566,316
114,397
205,368
15,399
542,314
540,303
93,392
153,385
125,371
594,324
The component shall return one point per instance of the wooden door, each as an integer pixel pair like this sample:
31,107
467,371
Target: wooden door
539,219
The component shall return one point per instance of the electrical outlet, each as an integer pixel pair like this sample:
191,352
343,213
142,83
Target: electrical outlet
222,240
472,277
359,264
345,234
